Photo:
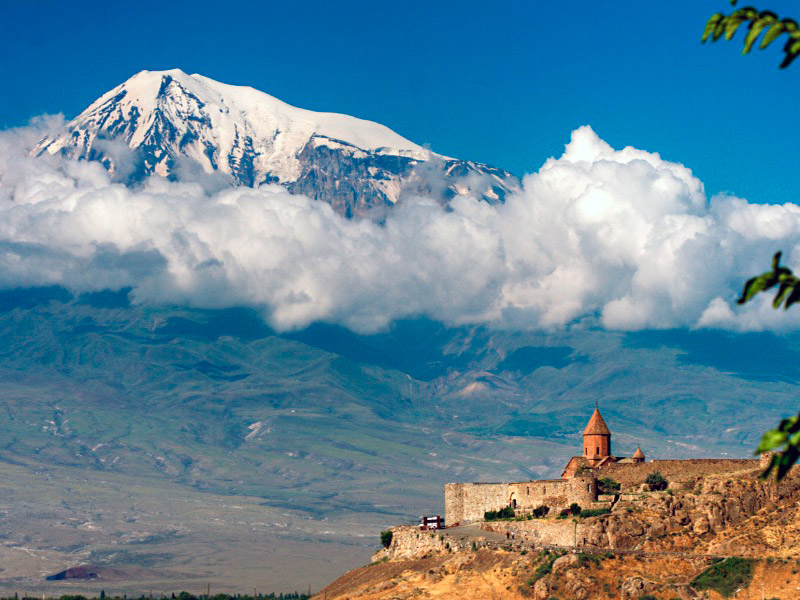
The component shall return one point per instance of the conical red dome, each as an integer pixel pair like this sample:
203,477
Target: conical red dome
596,426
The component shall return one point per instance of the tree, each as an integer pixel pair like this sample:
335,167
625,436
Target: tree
575,508
540,511
386,538
608,485
656,481
786,437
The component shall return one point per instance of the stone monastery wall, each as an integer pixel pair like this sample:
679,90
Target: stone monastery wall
631,475
467,502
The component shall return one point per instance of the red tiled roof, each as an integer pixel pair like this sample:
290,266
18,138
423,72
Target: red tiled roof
638,453
596,425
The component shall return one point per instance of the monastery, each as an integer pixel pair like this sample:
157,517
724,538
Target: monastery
467,502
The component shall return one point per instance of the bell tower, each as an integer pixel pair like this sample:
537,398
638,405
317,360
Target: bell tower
596,439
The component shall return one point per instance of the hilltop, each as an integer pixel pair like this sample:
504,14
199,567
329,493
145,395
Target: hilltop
720,531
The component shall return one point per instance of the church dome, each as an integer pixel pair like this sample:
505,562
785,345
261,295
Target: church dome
596,425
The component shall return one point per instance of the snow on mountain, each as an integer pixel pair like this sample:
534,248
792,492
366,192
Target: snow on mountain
352,163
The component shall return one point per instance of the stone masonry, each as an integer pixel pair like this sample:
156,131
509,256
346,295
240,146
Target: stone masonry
467,502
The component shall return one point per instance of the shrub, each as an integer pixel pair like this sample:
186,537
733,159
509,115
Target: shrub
503,513
594,512
726,576
584,558
608,485
386,538
575,508
544,567
540,511
656,481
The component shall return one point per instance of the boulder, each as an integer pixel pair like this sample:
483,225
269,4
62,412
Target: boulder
636,587
566,562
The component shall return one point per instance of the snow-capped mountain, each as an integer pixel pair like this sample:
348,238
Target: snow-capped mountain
355,165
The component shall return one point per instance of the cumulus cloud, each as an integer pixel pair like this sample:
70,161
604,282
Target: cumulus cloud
622,237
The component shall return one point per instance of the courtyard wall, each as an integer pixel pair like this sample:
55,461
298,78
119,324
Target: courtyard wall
467,502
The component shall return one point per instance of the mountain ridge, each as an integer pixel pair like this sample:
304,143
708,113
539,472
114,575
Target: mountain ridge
343,432
356,165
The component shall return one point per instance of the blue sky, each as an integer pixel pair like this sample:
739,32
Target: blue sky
503,83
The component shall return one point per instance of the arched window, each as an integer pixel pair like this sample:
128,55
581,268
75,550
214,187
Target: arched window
598,449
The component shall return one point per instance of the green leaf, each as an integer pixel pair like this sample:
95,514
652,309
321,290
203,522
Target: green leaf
790,425
749,13
790,25
794,439
755,285
756,27
770,440
793,298
772,34
711,25
788,60
781,295
719,29
786,460
772,464
732,25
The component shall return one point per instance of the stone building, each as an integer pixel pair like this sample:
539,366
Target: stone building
597,449
467,502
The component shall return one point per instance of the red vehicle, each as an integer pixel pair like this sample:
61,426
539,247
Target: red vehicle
436,522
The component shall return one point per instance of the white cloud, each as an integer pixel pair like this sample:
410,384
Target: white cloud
621,236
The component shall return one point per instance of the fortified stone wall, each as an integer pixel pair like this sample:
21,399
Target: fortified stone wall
467,502
527,495
632,475
545,532
409,542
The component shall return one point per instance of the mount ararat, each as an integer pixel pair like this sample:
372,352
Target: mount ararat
157,120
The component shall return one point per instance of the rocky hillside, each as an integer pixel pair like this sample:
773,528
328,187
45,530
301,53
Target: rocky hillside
499,574
726,533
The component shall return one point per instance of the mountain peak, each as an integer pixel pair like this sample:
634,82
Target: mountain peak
254,138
